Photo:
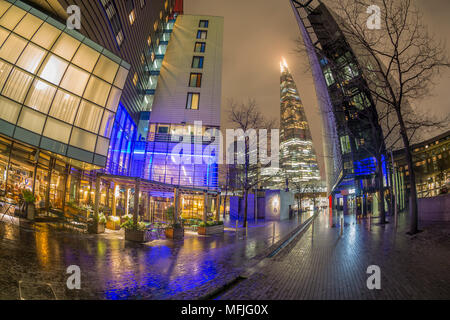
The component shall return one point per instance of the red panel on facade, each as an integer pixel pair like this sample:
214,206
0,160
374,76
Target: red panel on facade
178,8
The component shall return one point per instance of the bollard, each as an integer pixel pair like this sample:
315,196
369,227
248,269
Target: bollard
370,221
342,226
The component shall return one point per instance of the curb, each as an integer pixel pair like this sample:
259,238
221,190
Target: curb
269,253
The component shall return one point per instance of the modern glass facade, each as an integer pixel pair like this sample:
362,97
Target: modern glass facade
59,90
342,93
195,165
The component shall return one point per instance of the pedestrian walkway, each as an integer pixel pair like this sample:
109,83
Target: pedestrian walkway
112,268
324,265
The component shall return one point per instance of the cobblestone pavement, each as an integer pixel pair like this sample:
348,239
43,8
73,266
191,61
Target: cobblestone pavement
114,269
324,265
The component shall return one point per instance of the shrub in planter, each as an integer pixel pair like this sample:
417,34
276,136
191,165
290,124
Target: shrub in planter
175,232
97,226
29,199
136,233
210,227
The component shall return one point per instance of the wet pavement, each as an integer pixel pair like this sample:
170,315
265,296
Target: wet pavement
322,264
34,262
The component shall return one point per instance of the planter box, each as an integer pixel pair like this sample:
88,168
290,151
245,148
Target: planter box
96,228
31,211
113,225
210,230
137,236
175,233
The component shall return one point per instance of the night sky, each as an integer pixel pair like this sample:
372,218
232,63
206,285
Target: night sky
259,32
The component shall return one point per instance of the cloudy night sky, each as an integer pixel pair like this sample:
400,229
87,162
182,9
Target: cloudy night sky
259,32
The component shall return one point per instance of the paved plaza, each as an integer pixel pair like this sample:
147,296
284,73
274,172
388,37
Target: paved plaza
324,265
114,269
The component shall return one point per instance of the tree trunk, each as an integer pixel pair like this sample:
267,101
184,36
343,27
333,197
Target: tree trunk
413,210
245,207
380,178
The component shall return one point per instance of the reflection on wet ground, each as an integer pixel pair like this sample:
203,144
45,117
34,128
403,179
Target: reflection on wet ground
114,269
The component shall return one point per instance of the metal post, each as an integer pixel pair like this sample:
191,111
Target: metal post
97,196
176,205
137,187
370,221
205,207
394,189
342,225
218,208
246,230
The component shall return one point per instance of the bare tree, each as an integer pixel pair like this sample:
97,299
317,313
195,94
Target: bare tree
247,117
400,60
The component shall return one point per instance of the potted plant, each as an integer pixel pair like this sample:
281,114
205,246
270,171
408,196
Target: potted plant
136,233
97,226
113,223
175,231
210,227
29,199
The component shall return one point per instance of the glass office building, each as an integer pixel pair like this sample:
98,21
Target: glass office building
59,94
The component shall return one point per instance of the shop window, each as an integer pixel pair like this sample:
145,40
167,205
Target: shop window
65,106
132,17
135,79
89,116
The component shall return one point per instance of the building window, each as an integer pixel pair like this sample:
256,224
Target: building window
135,79
132,17
345,145
114,21
200,47
193,101
149,41
202,34
328,76
195,80
197,62
203,24
142,3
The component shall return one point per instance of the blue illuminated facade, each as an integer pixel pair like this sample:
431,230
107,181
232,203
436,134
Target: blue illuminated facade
123,140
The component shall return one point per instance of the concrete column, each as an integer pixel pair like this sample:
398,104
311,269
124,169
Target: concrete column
218,208
176,205
345,204
97,196
205,207
137,187
114,200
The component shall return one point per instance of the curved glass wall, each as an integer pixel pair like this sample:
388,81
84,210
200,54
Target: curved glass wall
59,91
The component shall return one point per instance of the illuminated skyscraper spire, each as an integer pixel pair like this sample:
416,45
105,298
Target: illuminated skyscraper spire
298,160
